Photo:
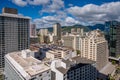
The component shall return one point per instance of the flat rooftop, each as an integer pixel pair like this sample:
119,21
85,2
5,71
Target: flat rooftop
14,16
55,48
79,59
108,69
55,51
29,64
62,70
76,60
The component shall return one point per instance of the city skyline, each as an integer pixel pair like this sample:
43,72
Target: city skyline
45,13
53,57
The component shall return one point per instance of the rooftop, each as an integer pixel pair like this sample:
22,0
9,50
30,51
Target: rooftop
14,15
30,65
78,59
108,69
72,62
62,70
55,48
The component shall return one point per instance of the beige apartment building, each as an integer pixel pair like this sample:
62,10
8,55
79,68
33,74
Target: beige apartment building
95,47
71,41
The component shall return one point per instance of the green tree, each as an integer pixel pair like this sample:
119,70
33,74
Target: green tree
113,62
1,77
110,77
78,52
39,37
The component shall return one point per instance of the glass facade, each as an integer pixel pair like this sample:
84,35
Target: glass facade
111,32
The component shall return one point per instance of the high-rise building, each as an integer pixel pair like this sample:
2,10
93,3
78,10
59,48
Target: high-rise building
95,47
51,36
43,35
33,32
21,65
112,30
76,68
43,32
57,31
14,33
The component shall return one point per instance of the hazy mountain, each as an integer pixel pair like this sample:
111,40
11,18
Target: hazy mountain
86,28
97,26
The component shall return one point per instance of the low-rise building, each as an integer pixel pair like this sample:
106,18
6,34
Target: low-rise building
74,69
22,66
57,52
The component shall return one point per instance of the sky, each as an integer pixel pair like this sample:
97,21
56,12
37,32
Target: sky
45,13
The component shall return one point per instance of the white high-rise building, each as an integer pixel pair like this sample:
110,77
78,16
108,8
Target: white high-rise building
95,47
22,66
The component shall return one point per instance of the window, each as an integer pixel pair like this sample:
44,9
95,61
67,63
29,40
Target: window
47,71
33,78
40,75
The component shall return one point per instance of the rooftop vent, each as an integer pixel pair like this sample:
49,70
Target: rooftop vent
9,10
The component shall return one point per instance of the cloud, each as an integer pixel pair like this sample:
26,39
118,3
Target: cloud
19,2
87,14
71,21
30,2
38,2
48,6
54,6
70,5
48,21
92,13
